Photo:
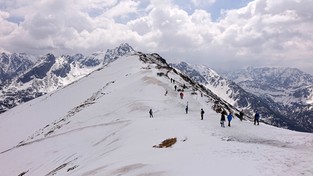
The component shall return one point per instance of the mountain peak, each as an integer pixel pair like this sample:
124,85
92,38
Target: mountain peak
126,47
112,54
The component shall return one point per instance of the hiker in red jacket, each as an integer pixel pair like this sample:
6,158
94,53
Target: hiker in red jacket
181,95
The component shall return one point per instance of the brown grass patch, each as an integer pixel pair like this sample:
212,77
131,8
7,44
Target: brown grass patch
166,143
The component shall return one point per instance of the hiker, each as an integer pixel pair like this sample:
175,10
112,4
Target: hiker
229,118
171,80
241,114
186,109
175,87
165,92
223,114
181,95
256,118
151,113
202,112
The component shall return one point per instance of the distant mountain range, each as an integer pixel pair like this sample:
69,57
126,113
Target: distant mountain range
283,96
288,91
242,98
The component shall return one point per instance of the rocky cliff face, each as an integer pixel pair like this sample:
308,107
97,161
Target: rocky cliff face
12,65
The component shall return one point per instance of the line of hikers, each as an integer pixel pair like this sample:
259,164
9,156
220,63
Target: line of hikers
241,114
223,113
223,116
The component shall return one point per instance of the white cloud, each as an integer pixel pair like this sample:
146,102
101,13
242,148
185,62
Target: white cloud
123,8
274,34
263,32
199,3
6,26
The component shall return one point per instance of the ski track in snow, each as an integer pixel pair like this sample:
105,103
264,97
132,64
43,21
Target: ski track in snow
65,120
67,132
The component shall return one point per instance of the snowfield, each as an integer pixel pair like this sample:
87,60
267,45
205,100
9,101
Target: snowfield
100,126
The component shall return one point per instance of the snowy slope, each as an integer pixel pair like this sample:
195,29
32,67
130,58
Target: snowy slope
100,126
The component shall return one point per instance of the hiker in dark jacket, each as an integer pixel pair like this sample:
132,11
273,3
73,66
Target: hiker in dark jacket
229,118
241,114
202,112
256,118
186,109
223,114
151,113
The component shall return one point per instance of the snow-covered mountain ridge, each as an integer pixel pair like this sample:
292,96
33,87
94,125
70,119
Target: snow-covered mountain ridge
100,125
50,73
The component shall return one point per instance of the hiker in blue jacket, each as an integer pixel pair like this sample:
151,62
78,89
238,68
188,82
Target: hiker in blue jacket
256,118
229,118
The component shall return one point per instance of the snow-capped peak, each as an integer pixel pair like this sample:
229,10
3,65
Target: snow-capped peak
112,54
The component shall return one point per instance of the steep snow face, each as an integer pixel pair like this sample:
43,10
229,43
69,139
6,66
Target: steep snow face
100,125
209,78
218,84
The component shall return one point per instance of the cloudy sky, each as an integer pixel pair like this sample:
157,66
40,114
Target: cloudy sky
222,34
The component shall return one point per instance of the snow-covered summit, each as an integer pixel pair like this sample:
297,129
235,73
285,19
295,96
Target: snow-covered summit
100,125
112,54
